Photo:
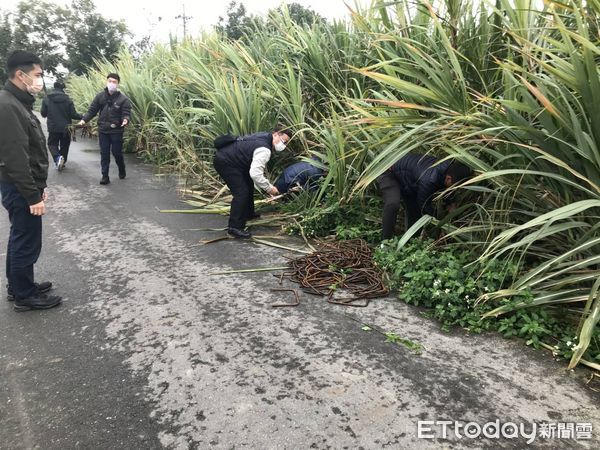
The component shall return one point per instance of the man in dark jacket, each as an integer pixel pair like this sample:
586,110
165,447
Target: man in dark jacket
114,110
242,164
416,179
23,174
302,173
59,109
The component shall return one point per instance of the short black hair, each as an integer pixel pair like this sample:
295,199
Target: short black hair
114,75
459,171
59,85
283,130
21,60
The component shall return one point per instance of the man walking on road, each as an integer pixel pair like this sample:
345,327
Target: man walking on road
114,109
59,109
23,174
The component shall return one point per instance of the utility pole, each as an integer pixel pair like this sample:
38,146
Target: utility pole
184,19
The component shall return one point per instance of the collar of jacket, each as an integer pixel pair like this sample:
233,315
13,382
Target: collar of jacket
24,97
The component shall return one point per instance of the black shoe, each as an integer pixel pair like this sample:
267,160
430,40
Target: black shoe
105,180
122,175
42,288
39,301
238,234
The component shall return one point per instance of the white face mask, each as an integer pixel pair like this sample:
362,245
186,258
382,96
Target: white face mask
280,146
36,87
112,87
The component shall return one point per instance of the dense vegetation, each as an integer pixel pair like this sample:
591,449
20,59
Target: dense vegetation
511,90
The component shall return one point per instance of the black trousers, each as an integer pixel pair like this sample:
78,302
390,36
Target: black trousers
242,188
111,142
393,197
24,242
59,143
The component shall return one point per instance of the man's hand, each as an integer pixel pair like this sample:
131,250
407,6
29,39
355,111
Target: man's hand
45,195
125,122
81,123
273,191
39,209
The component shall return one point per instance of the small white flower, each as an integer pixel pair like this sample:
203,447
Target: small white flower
447,291
486,289
568,343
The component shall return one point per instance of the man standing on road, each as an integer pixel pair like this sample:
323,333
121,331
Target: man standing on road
114,109
59,109
241,163
23,174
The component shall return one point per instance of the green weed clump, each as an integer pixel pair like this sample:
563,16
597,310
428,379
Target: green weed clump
357,219
458,293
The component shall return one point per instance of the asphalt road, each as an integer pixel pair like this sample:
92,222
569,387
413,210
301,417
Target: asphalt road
149,350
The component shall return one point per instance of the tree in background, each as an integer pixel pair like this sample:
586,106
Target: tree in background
301,14
39,28
238,22
90,36
64,38
6,38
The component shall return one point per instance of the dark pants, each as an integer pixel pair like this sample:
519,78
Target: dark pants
59,143
111,143
24,241
242,188
392,194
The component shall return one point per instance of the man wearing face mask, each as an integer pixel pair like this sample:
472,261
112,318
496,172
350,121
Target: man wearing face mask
241,163
23,174
114,109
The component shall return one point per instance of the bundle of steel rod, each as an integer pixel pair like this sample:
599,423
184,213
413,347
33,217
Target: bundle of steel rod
344,266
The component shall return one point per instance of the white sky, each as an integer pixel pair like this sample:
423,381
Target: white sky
142,16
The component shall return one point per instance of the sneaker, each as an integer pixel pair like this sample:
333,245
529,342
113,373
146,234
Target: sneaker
239,234
39,301
60,163
42,288
105,180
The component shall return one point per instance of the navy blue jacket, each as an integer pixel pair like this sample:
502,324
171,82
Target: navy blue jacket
239,153
302,173
420,178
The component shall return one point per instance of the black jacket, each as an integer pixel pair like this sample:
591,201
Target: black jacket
111,110
23,151
59,109
239,154
420,178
